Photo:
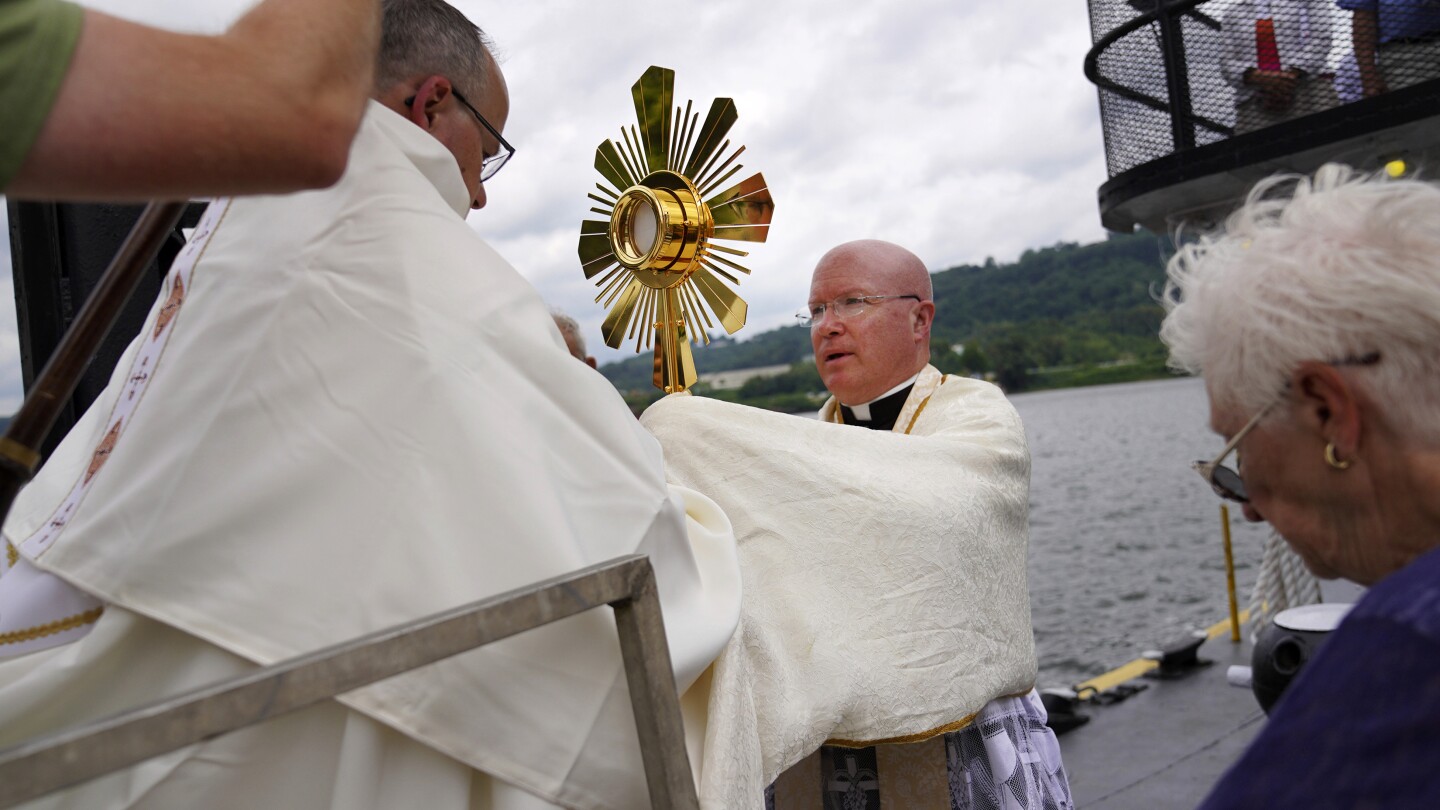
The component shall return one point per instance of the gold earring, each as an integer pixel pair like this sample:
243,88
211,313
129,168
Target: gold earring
1332,460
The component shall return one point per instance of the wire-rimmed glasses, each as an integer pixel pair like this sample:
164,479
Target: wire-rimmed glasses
844,307
490,165
1227,482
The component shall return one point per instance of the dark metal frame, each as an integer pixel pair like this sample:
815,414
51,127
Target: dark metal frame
1177,77
1205,180
625,583
1401,121
59,251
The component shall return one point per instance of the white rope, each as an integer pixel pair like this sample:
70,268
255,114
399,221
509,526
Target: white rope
1283,582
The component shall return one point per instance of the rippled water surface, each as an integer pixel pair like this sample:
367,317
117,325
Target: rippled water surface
1125,539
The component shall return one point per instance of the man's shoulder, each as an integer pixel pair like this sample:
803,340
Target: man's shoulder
962,382
955,388
965,402
390,155
397,176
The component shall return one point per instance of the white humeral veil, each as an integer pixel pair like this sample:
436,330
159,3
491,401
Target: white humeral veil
885,583
360,415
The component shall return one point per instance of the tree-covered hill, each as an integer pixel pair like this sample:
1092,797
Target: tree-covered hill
775,347
1055,283
1063,315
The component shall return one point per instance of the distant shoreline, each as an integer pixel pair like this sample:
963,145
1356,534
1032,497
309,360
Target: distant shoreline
1079,376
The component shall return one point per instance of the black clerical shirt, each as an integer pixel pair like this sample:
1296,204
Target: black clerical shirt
883,412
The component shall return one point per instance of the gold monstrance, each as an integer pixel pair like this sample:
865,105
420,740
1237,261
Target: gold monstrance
656,259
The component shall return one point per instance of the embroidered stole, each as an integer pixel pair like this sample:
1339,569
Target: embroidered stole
38,610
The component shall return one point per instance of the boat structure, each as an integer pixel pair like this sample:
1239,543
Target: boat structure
1187,134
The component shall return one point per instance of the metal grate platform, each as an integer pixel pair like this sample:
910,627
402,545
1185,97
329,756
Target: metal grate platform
1207,96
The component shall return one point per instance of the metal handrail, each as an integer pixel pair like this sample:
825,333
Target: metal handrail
625,583
1092,64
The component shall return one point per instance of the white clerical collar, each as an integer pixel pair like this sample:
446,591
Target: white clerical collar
862,412
427,154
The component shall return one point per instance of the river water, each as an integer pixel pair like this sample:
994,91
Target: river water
1125,539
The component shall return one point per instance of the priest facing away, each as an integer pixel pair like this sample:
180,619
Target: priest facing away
884,657
346,412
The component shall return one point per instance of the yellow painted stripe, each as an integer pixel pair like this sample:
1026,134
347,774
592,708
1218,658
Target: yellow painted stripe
1140,666
1117,676
1223,626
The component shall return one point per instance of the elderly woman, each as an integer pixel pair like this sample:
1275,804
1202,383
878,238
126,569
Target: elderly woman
1315,319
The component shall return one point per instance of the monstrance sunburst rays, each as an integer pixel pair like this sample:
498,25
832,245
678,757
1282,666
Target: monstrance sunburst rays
655,259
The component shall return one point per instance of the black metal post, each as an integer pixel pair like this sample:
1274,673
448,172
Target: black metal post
1177,78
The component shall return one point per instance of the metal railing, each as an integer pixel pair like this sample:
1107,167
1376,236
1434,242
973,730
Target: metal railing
626,583
1183,118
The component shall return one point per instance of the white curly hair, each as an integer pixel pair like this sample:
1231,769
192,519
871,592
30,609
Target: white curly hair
1329,268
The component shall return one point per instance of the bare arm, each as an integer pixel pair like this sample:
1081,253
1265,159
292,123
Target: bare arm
271,105
1365,33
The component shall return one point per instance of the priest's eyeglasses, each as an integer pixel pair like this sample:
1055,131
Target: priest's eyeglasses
1227,482
846,307
490,165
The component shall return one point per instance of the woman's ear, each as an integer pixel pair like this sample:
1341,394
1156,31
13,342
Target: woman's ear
1327,404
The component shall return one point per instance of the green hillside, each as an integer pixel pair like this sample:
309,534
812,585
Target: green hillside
1059,316
784,345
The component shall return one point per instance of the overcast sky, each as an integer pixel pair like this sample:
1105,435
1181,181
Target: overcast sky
959,130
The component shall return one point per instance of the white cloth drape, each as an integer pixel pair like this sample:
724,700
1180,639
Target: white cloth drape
363,415
885,583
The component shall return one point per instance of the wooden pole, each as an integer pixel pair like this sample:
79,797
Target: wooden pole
1230,574
20,446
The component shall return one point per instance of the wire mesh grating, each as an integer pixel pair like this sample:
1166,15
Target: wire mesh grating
1173,74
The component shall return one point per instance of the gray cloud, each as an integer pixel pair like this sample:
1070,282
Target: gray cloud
959,130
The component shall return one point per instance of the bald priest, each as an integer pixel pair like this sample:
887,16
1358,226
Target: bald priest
884,657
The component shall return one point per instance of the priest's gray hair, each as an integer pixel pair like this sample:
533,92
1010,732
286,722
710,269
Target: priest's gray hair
1331,268
430,37
570,329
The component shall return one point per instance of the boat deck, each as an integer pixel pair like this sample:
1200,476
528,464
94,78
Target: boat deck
1165,746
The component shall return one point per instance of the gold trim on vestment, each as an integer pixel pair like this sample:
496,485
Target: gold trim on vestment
922,736
12,554
51,628
907,738
926,383
923,403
